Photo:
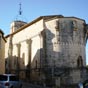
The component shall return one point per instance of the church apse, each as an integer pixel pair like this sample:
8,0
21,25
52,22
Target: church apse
55,53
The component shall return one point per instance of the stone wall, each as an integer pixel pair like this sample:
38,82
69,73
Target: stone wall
2,53
47,44
65,43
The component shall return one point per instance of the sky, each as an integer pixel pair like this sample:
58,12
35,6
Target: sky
32,9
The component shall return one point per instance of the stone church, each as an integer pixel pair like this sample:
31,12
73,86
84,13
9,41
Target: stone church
49,50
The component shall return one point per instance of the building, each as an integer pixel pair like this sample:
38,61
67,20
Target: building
49,50
2,52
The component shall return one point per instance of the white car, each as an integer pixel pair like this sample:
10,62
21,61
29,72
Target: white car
10,81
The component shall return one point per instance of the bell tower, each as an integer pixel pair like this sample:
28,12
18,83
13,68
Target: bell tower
18,22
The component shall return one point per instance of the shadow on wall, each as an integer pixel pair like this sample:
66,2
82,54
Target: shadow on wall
15,65
40,69
40,64
45,62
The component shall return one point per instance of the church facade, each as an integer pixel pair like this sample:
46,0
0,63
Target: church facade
49,50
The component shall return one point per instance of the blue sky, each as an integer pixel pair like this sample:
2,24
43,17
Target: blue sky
34,8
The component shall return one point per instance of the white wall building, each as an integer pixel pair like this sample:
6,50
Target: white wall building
47,49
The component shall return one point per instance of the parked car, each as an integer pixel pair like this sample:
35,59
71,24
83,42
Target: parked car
80,85
10,81
85,84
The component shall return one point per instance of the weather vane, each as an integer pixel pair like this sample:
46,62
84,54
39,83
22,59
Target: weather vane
20,10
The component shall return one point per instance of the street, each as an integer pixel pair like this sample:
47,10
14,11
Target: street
27,85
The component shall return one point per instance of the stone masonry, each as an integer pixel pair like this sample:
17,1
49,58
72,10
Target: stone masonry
52,47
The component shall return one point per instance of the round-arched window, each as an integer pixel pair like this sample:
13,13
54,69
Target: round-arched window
80,61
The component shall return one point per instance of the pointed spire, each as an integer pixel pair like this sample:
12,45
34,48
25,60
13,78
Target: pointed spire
20,10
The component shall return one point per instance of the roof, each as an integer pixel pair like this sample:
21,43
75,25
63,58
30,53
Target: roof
46,18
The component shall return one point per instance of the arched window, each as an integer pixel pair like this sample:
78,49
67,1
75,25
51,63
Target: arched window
80,61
